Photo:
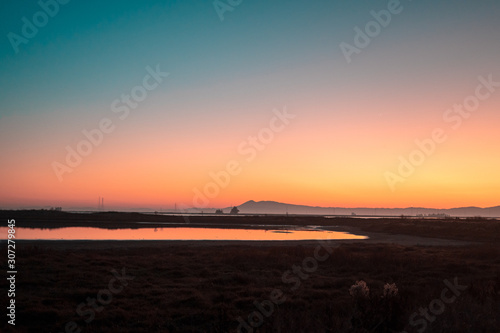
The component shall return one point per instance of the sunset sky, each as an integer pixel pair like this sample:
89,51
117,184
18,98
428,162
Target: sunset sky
260,97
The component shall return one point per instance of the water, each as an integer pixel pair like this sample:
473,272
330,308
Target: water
90,233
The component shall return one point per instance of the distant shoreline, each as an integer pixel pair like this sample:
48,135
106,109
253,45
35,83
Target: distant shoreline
383,229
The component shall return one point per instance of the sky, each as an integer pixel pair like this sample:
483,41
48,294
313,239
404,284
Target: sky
164,104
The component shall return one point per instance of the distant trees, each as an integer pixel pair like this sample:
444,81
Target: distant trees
233,211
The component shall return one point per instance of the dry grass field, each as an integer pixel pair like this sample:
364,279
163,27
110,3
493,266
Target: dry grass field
176,286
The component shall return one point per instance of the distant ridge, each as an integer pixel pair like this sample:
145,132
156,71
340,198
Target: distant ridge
273,207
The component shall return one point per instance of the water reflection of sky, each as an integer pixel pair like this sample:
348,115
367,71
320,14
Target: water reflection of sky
87,233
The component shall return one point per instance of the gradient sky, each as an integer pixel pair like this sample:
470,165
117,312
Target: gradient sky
352,120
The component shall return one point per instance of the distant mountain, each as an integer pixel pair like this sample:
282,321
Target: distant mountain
273,207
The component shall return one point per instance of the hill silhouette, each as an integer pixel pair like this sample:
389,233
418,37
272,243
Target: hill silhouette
273,207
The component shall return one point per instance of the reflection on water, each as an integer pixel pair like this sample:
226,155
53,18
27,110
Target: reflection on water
84,233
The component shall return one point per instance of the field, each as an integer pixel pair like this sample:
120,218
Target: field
307,286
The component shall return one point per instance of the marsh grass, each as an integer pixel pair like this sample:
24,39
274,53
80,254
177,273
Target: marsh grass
196,288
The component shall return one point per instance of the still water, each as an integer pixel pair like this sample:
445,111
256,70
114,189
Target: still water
88,233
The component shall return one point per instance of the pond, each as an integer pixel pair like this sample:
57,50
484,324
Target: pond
172,233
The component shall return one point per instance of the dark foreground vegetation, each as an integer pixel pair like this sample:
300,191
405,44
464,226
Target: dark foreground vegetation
308,286
192,287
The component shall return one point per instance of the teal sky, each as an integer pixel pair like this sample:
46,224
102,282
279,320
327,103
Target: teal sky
91,50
